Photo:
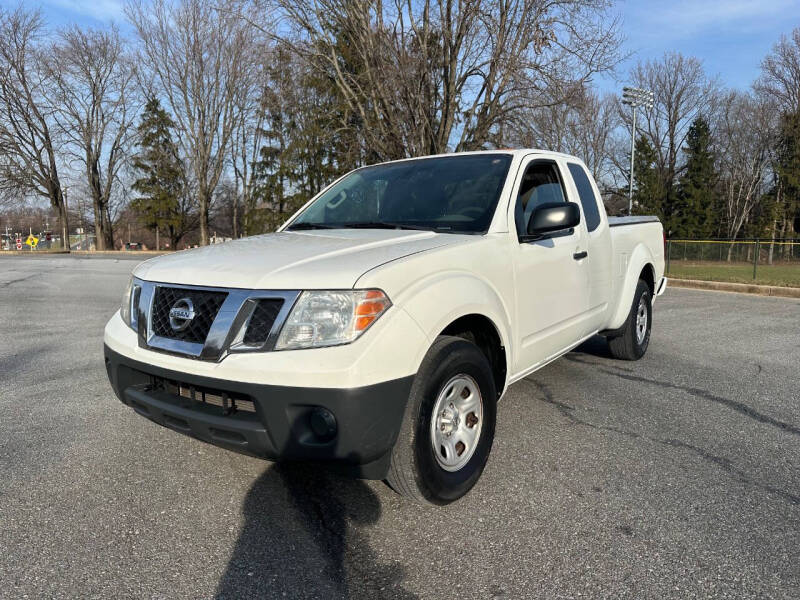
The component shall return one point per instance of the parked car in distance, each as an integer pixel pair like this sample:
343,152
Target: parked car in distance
377,330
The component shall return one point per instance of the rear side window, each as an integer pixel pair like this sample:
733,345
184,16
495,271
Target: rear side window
586,194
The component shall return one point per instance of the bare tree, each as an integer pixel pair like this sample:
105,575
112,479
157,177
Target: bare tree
246,139
425,77
28,152
744,137
198,52
94,98
592,135
780,82
9,197
780,73
682,91
583,126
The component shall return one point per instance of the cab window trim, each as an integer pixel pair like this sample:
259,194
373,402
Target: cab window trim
524,170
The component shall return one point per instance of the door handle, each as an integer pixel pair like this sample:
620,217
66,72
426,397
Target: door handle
580,255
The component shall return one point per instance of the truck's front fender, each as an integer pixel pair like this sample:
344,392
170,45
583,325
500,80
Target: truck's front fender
438,300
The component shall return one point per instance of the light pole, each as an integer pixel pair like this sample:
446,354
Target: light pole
635,97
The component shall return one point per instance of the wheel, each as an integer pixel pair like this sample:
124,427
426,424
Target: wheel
448,429
632,343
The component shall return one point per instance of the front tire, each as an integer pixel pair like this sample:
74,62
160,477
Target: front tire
632,343
448,429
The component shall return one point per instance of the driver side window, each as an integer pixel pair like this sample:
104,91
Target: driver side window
541,184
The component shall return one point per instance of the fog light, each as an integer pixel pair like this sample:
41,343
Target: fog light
323,424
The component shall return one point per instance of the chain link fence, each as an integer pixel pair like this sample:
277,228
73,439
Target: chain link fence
768,262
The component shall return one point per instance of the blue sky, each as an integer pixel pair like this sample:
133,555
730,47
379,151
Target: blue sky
729,36
84,12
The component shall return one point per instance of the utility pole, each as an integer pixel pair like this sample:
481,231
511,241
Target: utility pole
84,237
84,245
635,97
65,230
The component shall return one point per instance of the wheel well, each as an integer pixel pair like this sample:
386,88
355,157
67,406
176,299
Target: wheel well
480,330
648,275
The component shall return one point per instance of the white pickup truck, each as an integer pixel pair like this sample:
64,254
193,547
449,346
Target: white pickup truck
377,330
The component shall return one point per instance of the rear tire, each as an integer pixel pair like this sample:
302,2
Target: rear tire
448,429
632,343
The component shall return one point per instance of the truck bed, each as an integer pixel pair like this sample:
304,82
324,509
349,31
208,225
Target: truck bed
632,238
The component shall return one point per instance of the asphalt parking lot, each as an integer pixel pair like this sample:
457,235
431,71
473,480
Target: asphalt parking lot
676,476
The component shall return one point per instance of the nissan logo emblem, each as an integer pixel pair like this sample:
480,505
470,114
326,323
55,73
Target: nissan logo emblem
181,314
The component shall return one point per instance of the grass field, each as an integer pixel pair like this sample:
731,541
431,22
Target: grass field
776,274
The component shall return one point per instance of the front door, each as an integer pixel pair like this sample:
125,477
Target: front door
551,280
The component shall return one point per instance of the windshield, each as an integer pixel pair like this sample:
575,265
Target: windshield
451,194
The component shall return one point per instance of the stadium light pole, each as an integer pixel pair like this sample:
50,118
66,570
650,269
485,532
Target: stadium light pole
635,97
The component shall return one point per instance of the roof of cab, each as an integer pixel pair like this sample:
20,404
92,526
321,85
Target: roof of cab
516,152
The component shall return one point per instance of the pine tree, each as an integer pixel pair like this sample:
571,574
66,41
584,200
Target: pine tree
693,214
303,147
789,151
788,171
648,192
275,174
161,175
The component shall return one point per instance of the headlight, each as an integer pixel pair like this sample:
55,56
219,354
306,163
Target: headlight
130,300
125,307
329,318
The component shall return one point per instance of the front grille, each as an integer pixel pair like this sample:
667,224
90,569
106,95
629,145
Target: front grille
241,319
261,321
228,403
206,306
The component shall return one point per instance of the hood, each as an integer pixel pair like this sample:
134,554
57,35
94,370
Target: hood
324,259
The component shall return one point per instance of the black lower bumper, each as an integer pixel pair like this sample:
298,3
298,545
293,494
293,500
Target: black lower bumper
352,430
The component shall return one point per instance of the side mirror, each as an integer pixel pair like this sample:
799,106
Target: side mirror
553,216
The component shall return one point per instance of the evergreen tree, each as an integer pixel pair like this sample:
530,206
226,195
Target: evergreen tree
304,149
693,215
161,175
788,171
648,191
760,222
276,174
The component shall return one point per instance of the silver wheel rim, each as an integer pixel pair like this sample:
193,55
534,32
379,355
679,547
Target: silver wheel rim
641,320
456,422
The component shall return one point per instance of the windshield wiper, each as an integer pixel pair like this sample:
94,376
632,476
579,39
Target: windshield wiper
384,225
301,226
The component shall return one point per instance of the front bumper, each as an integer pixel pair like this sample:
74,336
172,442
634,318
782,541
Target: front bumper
284,424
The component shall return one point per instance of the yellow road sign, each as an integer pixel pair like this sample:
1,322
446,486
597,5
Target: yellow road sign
32,241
